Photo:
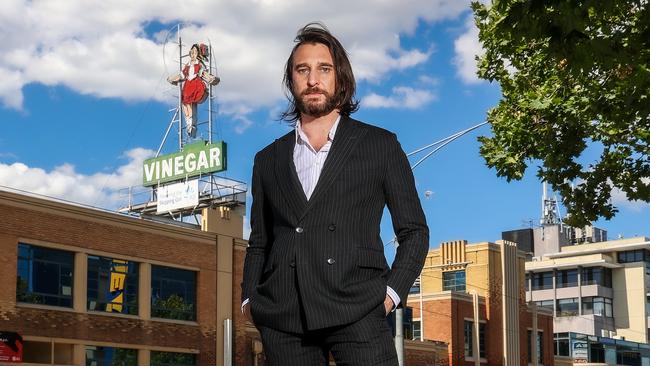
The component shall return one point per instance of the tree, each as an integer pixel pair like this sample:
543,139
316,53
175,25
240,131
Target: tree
575,81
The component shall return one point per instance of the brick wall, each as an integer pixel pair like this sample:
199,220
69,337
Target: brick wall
35,222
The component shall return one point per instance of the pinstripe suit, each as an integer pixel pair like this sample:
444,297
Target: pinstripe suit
319,263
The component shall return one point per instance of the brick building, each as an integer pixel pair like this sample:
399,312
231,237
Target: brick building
85,286
462,283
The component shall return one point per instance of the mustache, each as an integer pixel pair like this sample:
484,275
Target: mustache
313,91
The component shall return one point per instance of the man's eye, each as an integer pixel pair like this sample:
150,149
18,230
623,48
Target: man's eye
325,70
303,70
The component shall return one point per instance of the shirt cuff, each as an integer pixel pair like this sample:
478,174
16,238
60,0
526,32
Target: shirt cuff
394,296
244,304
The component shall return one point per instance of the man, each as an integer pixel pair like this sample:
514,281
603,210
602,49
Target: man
315,276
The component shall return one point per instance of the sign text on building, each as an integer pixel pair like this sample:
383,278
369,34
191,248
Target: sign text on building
195,159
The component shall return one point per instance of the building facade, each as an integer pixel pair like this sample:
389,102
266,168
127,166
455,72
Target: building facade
471,296
599,294
89,287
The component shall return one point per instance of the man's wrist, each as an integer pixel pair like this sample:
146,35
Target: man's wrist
393,296
244,303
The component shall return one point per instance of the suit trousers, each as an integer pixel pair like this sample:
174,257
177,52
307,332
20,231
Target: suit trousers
368,341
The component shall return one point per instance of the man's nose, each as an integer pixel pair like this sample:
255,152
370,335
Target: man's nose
312,79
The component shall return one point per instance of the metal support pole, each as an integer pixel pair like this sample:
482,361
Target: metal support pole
227,342
399,335
533,347
476,346
180,91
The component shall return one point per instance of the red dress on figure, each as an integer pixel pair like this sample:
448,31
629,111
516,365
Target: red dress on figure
193,88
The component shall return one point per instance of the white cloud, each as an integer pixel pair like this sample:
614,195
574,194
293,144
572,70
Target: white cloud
620,199
401,97
64,182
101,48
467,47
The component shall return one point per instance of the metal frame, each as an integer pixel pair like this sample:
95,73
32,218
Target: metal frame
215,191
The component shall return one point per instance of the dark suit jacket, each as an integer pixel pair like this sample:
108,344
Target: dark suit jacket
320,263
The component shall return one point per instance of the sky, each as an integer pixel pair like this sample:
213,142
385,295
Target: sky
84,100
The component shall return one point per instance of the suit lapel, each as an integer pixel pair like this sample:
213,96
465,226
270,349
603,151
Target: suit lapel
286,175
346,138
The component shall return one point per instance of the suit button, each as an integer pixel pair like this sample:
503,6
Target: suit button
330,261
332,227
299,230
292,264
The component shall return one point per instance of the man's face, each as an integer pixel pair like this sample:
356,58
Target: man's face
314,79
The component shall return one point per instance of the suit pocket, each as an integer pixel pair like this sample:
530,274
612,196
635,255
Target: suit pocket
369,258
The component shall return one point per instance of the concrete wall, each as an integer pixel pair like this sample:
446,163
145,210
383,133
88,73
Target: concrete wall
629,289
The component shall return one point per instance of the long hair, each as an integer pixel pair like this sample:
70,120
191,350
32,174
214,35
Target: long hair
345,85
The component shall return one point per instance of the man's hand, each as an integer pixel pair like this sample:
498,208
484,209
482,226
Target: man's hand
247,312
388,304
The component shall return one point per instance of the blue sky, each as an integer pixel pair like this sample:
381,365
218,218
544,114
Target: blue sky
84,100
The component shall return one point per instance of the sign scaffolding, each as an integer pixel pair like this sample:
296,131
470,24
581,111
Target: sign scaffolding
180,184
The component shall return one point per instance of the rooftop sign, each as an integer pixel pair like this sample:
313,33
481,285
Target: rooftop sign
195,159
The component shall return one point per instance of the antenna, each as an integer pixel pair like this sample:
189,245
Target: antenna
550,208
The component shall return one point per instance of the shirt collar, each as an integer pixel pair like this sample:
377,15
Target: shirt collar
302,137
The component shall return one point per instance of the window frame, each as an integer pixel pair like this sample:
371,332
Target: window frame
29,261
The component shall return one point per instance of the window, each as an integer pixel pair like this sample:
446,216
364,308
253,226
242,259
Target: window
416,330
47,353
542,280
630,256
597,305
172,359
99,356
453,281
566,278
561,344
547,304
112,285
44,276
173,293
539,345
415,289
567,307
597,276
469,330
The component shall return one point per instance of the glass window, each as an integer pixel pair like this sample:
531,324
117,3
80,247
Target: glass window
597,305
172,359
100,356
548,304
539,344
44,276
453,281
469,330
415,289
542,280
566,278
112,285
173,293
416,330
567,307
630,256
561,344
597,276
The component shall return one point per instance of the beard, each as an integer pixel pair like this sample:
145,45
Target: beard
312,107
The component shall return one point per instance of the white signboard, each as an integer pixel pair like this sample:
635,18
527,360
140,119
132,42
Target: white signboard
580,351
178,195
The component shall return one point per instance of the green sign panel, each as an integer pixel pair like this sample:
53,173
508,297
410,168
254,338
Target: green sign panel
195,159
